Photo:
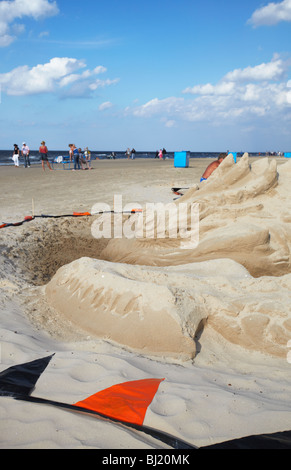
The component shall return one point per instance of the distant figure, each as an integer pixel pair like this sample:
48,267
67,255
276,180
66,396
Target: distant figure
128,153
74,154
82,160
160,154
113,156
157,154
71,153
25,153
43,155
87,154
15,156
133,154
164,153
212,167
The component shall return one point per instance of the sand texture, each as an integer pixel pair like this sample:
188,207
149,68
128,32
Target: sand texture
213,319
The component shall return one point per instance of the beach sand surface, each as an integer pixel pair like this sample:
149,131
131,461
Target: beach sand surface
212,319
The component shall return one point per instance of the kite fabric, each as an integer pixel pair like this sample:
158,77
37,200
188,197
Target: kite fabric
127,402
20,380
279,440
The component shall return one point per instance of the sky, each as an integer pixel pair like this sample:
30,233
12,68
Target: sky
199,75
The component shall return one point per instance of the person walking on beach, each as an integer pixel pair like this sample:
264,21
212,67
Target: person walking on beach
74,154
15,156
87,154
25,153
128,153
82,160
43,155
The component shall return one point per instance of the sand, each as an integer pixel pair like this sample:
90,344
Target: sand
213,320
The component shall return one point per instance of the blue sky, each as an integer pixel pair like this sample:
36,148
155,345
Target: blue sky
203,75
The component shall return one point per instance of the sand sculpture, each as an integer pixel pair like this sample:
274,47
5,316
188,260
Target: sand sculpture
153,297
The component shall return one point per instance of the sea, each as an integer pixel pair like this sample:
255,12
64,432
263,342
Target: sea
6,155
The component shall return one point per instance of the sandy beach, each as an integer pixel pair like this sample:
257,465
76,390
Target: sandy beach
214,320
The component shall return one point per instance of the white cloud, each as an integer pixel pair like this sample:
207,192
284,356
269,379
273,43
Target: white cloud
6,40
165,106
68,79
102,83
60,74
243,94
105,105
274,70
18,28
99,69
13,10
39,79
222,88
170,123
271,14
242,91
44,34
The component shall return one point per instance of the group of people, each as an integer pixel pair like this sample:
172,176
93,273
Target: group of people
130,153
81,160
161,154
25,152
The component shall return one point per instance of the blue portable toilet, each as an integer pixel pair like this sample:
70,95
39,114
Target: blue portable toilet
287,155
181,159
234,155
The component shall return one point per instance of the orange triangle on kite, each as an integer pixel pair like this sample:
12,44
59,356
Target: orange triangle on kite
126,402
